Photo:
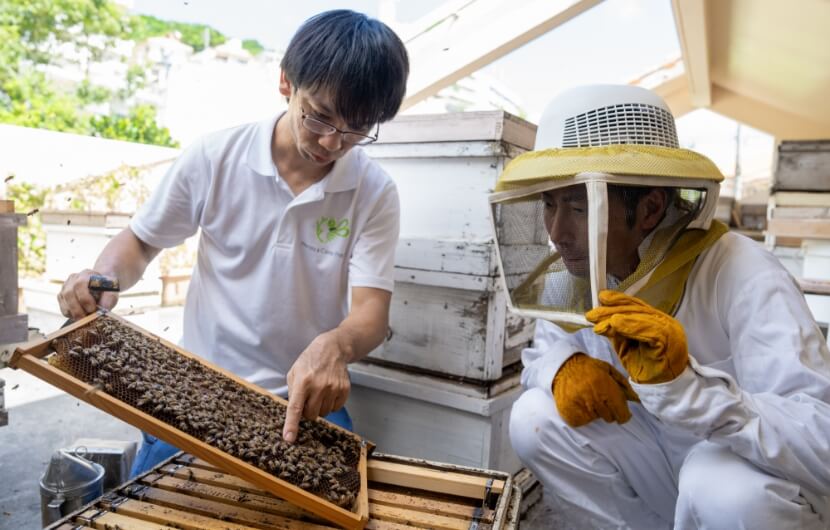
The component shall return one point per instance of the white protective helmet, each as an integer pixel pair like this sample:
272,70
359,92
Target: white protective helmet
599,115
600,150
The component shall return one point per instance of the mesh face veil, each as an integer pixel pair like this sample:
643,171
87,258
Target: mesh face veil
606,201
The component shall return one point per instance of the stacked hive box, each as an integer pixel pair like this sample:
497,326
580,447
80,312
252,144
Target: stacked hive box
798,228
13,325
404,494
442,384
73,240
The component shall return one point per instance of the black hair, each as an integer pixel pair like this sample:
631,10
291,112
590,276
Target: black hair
359,60
631,195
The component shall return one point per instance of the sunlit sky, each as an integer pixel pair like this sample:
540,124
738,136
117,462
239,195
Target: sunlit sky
614,42
605,44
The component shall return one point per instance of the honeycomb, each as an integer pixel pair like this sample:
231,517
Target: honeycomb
183,393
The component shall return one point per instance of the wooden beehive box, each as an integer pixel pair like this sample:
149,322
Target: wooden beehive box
802,165
449,313
189,493
71,238
33,358
435,418
13,325
445,165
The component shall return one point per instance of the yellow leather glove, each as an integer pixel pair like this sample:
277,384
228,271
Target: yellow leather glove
585,389
650,343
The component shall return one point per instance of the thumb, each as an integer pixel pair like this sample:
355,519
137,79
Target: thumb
108,300
621,380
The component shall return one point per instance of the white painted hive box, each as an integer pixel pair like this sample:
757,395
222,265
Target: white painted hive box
435,418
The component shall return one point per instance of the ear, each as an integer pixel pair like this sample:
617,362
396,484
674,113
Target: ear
285,85
651,208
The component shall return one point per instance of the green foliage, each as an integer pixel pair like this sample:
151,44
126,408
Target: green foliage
140,126
39,25
120,190
29,32
88,93
31,102
136,79
253,46
31,239
143,26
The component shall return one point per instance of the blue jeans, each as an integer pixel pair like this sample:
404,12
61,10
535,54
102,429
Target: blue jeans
153,451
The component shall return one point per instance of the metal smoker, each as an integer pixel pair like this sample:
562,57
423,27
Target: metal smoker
68,483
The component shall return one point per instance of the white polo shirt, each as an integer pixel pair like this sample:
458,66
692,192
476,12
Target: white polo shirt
273,270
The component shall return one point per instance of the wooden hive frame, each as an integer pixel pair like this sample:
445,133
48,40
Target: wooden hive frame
404,494
31,358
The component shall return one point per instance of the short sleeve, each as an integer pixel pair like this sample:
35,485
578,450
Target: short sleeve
373,256
173,211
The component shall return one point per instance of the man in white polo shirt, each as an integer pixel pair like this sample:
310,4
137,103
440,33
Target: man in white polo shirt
294,221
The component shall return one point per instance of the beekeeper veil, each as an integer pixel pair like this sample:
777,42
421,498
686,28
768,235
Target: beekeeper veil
607,200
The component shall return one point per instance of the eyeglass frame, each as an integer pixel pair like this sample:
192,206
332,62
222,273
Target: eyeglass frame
306,116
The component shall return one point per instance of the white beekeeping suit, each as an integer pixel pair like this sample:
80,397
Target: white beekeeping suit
728,424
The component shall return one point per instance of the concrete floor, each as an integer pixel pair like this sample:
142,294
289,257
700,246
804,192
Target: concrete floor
37,429
549,513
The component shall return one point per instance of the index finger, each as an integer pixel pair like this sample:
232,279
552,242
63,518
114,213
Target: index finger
85,298
108,300
293,413
602,312
635,326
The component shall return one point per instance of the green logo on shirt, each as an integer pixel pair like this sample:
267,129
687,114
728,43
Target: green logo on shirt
329,228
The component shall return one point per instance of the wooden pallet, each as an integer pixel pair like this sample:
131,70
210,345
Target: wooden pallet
188,493
32,358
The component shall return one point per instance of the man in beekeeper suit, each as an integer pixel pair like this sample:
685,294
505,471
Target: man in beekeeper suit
677,377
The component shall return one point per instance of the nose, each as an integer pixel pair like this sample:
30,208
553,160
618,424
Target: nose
559,227
332,142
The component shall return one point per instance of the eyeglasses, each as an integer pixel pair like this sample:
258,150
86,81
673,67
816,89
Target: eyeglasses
322,128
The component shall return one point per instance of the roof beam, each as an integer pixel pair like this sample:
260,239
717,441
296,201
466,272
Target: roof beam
669,82
780,123
675,92
479,33
690,20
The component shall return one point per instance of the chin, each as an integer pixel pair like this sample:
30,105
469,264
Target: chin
581,272
578,268
315,159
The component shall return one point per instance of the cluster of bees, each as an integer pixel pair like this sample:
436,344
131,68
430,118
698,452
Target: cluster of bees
185,394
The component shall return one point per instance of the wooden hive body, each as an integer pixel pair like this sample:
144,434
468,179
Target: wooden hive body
189,493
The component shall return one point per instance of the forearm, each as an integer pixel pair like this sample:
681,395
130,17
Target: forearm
318,382
365,328
126,258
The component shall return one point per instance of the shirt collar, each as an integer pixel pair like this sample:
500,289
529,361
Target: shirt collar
346,172
344,175
259,152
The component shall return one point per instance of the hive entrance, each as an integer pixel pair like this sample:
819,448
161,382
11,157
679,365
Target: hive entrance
187,395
